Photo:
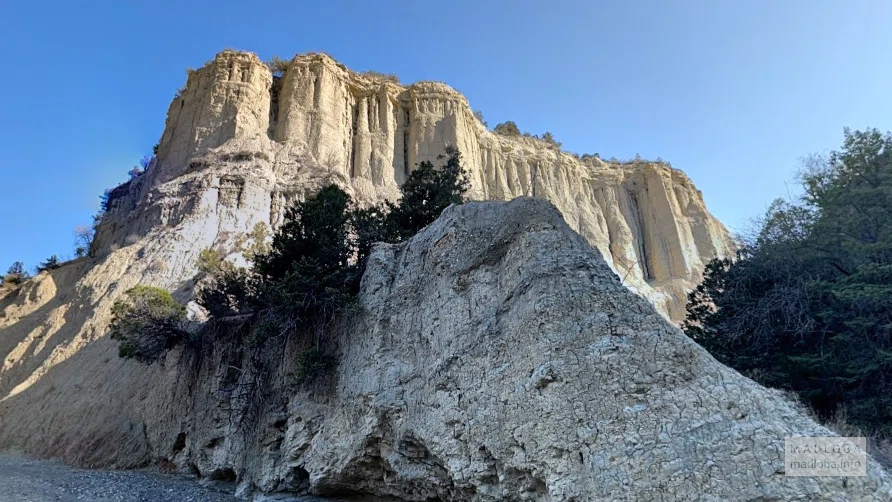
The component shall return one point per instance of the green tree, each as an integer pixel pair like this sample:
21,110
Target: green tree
309,274
224,289
549,138
808,304
424,196
148,322
50,263
371,225
307,270
16,274
507,128
427,192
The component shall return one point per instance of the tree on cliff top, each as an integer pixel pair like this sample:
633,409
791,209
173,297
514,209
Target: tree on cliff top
549,138
507,128
83,241
278,66
51,263
16,274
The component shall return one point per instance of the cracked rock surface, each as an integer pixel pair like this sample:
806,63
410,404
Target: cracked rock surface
499,358
496,356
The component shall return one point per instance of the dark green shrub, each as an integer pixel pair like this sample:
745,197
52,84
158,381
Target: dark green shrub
231,291
50,263
307,271
313,364
508,128
371,225
16,274
549,138
148,322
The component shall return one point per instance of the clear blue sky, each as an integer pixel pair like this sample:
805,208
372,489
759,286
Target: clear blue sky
732,92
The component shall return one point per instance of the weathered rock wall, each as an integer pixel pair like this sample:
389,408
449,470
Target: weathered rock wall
495,357
320,120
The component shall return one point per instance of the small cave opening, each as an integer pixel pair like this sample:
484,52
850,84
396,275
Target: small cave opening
298,480
179,443
225,474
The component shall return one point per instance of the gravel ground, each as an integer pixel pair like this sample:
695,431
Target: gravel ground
26,480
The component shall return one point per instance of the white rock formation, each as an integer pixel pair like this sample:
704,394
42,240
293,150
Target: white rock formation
247,142
496,357
508,364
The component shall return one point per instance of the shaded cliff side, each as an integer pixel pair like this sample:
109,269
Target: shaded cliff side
248,142
495,357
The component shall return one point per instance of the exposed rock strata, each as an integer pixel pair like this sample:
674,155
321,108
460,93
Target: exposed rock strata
322,121
496,357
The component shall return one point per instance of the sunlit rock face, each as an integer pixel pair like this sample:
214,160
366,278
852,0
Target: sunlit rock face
240,144
497,355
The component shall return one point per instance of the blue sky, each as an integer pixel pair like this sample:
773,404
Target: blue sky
733,93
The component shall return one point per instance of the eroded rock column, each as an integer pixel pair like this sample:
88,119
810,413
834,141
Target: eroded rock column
227,98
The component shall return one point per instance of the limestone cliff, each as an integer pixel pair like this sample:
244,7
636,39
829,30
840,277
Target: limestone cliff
239,144
509,364
495,357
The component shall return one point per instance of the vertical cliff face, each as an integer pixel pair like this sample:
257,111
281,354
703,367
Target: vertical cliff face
495,356
228,98
237,129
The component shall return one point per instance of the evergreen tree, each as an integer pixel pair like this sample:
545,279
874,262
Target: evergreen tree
808,304
16,274
507,128
307,271
50,263
425,194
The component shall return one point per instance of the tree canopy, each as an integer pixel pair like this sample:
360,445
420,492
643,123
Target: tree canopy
807,304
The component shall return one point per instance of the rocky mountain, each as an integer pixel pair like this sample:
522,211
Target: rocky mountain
495,356
500,354
241,143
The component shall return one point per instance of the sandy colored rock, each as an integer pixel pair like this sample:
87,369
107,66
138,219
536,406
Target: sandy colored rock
512,363
240,137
